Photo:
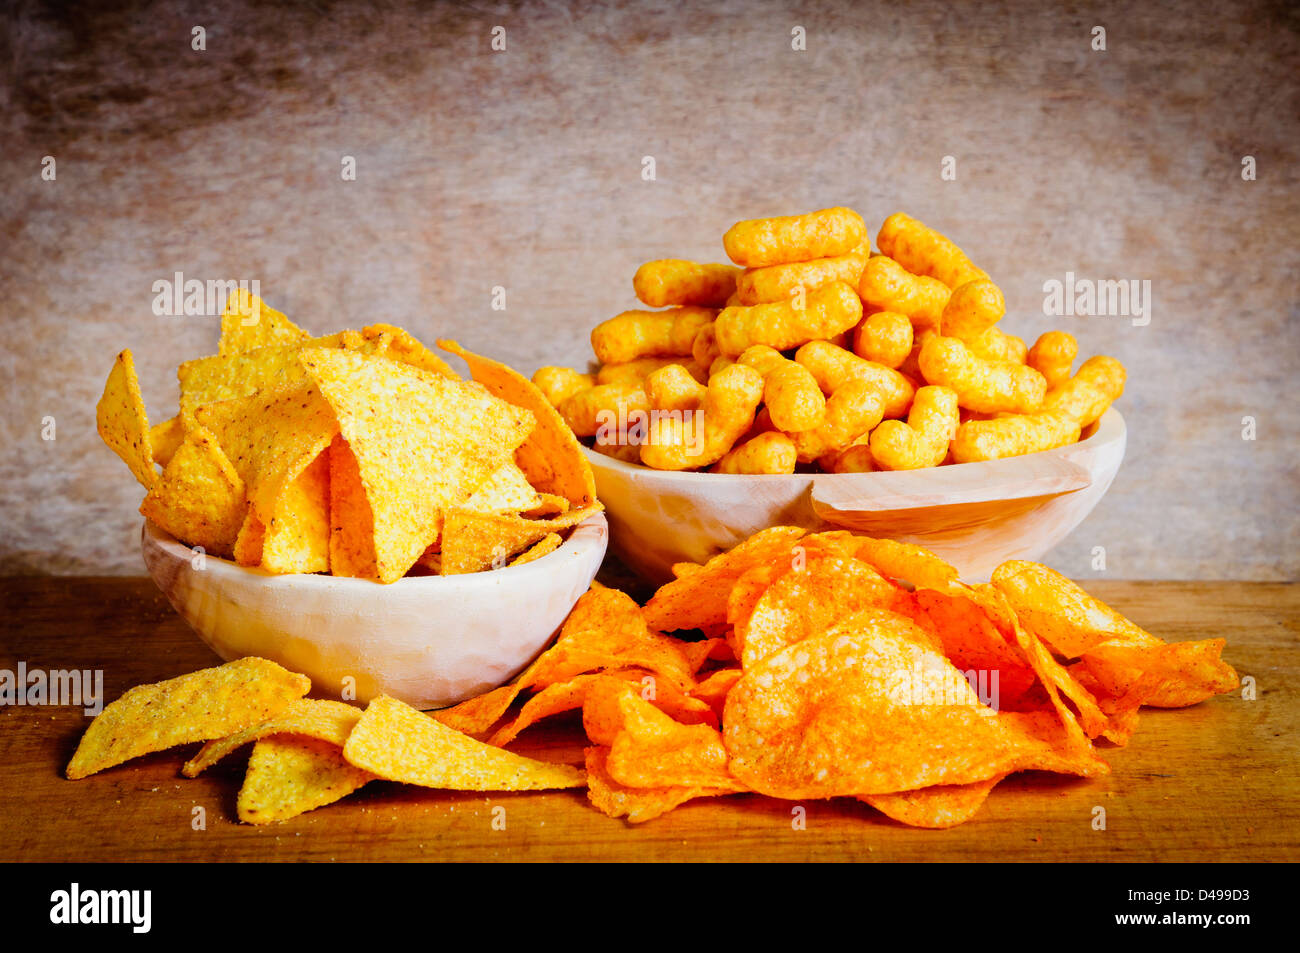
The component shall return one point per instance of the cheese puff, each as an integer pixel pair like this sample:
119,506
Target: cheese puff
972,309
675,281
828,310
733,301
988,386
775,241
673,388
1097,384
685,440
779,282
855,458
634,334
793,399
1012,435
1053,355
705,348
582,411
771,452
884,337
851,412
887,286
923,440
992,345
632,372
718,364
834,368
621,450
923,251
558,384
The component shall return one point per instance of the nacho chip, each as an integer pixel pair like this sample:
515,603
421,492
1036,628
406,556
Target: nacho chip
248,544
210,703
474,542
248,323
636,804
165,438
199,499
551,456
352,525
298,537
401,345
322,719
506,490
936,808
122,422
699,598
394,741
548,504
874,710
423,445
290,774
543,547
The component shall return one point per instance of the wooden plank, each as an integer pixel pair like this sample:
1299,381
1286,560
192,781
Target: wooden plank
1214,782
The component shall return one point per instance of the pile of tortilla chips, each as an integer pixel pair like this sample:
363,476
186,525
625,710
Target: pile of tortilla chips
809,666
358,454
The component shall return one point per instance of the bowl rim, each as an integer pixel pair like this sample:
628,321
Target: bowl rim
1110,428
593,532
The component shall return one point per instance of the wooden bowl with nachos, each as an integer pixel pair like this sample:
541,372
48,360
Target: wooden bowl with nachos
347,505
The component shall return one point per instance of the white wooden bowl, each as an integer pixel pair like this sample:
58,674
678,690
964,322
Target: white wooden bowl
431,641
975,515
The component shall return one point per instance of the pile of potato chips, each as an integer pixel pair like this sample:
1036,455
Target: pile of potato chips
796,666
818,354
359,454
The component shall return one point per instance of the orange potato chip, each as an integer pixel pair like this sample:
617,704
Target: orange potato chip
248,323
394,741
122,423
714,688
423,445
210,703
322,719
474,542
543,547
906,561
290,774
875,710
551,456
200,498
636,804
1169,675
700,597
938,807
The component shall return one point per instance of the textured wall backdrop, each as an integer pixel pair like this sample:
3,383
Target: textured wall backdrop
522,169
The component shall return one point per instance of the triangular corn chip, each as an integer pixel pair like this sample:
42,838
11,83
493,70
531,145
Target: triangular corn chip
200,498
507,490
122,422
322,719
352,526
474,542
290,774
164,438
248,323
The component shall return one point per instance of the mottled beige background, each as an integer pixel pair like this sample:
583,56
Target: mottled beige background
522,169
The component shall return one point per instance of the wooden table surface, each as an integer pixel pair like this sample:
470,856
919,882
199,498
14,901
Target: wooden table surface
1216,782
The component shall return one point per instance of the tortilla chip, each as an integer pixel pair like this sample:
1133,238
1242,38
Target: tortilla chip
248,323
548,504
394,741
122,422
551,456
507,490
543,547
165,438
322,719
290,774
423,445
352,526
474,542
401,345
200,498
210,703
298,538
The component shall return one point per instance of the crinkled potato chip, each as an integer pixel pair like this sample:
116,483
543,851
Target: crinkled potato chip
543,547
248,323
199,499
636,804
938,807
322,719
394,741
210,703
290,774
423,444
1169,675
122,422
907,561
699,598
551,456
474,542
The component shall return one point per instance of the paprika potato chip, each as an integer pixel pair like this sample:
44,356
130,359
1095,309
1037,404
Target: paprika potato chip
210,703
290,774
394,741
938,807
636,804
122,423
